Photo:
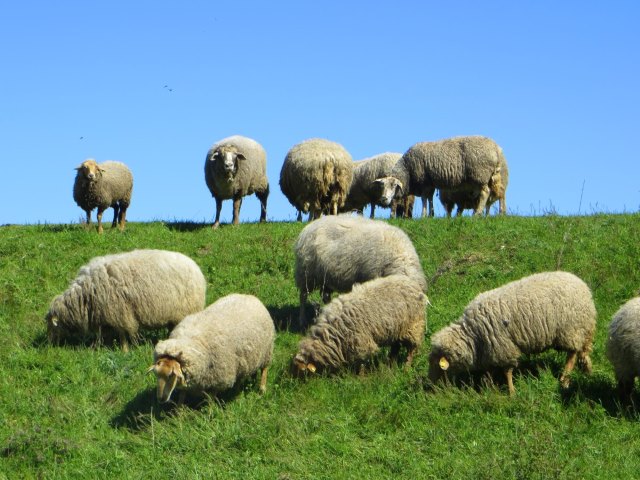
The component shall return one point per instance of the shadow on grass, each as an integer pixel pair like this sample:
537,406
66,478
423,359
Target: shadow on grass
186,226
286,318
139,413
601,391
109,339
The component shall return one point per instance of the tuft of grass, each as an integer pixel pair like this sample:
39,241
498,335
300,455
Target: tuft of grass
78,411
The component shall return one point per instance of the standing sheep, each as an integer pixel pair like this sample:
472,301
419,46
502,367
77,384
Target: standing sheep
316,176
388,311
125,292
530,315
104,185
623,345
235,167
335,252
469,163
212,349
464,199
364,189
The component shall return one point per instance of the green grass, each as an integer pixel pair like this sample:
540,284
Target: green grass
77,411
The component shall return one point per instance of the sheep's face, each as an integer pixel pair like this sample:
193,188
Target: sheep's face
90,170
227,159
449,354
389,189
169,375
302,365
54,329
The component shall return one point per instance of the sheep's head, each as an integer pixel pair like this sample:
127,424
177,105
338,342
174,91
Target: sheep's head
169,374
390,189
54,332
227,158
301,365
90,170
450,353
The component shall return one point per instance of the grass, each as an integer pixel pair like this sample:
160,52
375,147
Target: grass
77,411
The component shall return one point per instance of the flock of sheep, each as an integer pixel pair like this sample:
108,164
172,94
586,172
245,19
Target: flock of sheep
372,265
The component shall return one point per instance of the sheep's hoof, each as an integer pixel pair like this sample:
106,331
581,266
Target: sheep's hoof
215,226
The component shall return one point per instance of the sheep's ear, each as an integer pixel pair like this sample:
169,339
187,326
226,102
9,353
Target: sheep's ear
101,169
444,363
399,189
177,371
379,181
54,321
240,156
311,367
152,368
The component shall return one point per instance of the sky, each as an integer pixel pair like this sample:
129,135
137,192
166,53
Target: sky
155,83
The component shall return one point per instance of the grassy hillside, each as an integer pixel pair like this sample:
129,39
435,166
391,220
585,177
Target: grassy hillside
77,411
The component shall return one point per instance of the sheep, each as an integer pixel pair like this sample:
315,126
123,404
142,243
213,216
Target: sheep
470,163
212,349
335,252
530,315
103,185
466,200
387,311
235,167
364,189
125,292
623,345
316,176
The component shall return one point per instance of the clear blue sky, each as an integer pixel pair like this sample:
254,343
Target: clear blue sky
154,84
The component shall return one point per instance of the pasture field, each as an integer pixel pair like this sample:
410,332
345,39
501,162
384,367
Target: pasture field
78,411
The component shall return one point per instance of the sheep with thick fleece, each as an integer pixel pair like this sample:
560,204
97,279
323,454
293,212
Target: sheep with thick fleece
335,252
469,163
364,188
103,185
212,349
530,315
316,176
235,167
126,292
623,345
387,311
465,199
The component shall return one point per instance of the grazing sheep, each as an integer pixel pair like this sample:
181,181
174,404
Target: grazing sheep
125,292
530,315
235,167
623,345
104,185
388,311
469,163
316,176
335,252
364,188
465,199
212,349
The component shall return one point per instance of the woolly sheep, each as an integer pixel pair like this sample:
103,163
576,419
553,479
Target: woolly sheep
212,349
387,311
469,163
125,292
465,199
316,176
623,345
364,189
530,315
335,252
104,185
235,167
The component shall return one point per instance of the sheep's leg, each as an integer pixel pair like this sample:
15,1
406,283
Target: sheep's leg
503,206
299,216
124,342
459,210
116,211
373,210
263,205
123,216
625,386
429,197
263,380
88,217
99,216
326,295
394,353
410,354
568,368
509,374
482,200
216,222
302,318
237,203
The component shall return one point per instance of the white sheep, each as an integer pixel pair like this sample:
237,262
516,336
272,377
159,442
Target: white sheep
469,163
530,315
465,199
235,167
335,252
126,292
364,189
623,345
316,176
212,349
104,185
387,311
